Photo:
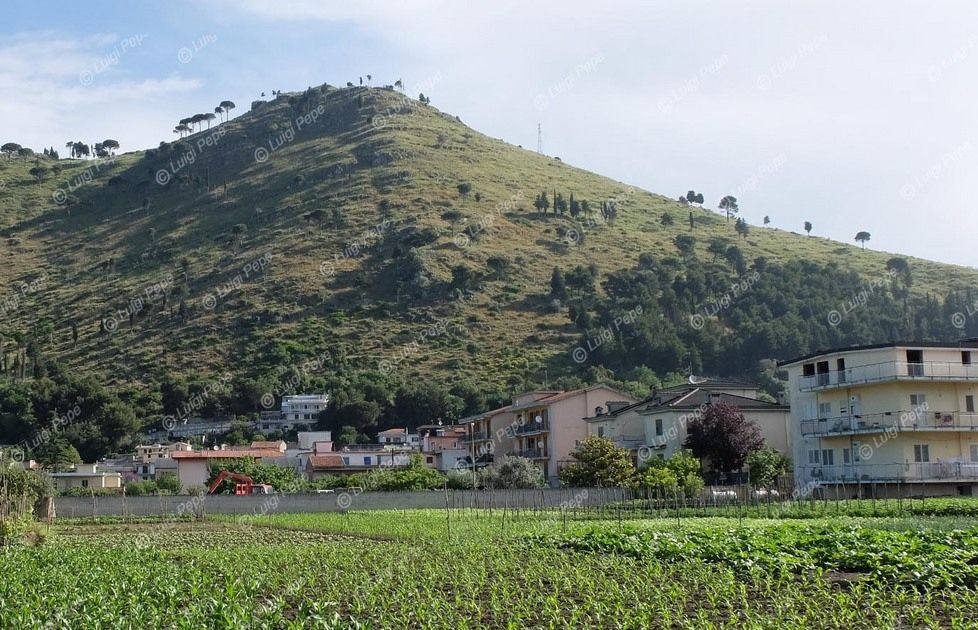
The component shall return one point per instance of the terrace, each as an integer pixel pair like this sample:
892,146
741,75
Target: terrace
884,473
531,453
889,371
889,421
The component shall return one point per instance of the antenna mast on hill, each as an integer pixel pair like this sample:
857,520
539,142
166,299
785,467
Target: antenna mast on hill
539,139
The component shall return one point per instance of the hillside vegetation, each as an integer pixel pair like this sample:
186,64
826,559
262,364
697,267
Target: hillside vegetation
360,238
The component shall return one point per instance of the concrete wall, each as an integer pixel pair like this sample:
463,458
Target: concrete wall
78,507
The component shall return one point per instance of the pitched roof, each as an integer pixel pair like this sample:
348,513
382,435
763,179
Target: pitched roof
575,392
393,431
275,444
325,461
693,397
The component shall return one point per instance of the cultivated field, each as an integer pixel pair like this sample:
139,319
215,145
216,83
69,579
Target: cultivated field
468,568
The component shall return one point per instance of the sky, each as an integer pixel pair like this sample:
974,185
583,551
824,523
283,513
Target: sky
854,116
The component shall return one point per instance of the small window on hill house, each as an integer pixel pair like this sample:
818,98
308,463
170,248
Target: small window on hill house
813,456
966,357
969,403
846,456
658,426
828,457
808,369
600,431
974,452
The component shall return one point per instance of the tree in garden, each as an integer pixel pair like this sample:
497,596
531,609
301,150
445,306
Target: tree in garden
862,237
766,465
729,206
808,227
679,472
515,472
723,436
598,462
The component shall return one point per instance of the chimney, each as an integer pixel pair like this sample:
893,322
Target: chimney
599,411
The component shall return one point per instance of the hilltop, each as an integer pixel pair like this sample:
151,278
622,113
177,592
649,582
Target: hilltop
376,234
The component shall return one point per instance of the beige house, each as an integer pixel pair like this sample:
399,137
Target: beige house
193,467
544,426
657,427
86,476
890,418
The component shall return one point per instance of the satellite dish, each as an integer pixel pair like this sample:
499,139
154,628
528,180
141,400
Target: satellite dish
697,380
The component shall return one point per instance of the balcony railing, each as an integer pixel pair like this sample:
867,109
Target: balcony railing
476,436
892,421
531,426
890,371
531,453
916,472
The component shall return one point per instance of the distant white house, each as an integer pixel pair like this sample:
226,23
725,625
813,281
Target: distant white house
303,407
399,437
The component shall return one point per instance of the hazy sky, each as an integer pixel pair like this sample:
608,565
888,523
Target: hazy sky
855,116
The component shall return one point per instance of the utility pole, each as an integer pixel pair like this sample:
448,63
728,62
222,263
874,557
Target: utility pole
539,139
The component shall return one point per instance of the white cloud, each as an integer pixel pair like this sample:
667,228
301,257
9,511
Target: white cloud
79,88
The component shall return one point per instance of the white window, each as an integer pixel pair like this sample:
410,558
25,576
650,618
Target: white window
974,452
813,456
824,409
918,400
658,426
921,453
827,457
846,456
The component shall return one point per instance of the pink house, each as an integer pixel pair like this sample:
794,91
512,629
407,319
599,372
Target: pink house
544,426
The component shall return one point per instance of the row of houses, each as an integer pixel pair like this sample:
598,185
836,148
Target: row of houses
878,419
546,426
860,419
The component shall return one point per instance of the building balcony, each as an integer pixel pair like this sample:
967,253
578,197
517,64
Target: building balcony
890,421
889,371
531,453
531,427
475,436
928,472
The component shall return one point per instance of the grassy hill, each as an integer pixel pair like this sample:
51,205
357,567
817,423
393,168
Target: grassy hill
331,221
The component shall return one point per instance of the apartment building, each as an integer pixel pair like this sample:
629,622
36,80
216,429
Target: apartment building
543,426
895,418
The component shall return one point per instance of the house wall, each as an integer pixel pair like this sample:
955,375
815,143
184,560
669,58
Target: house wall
192,472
